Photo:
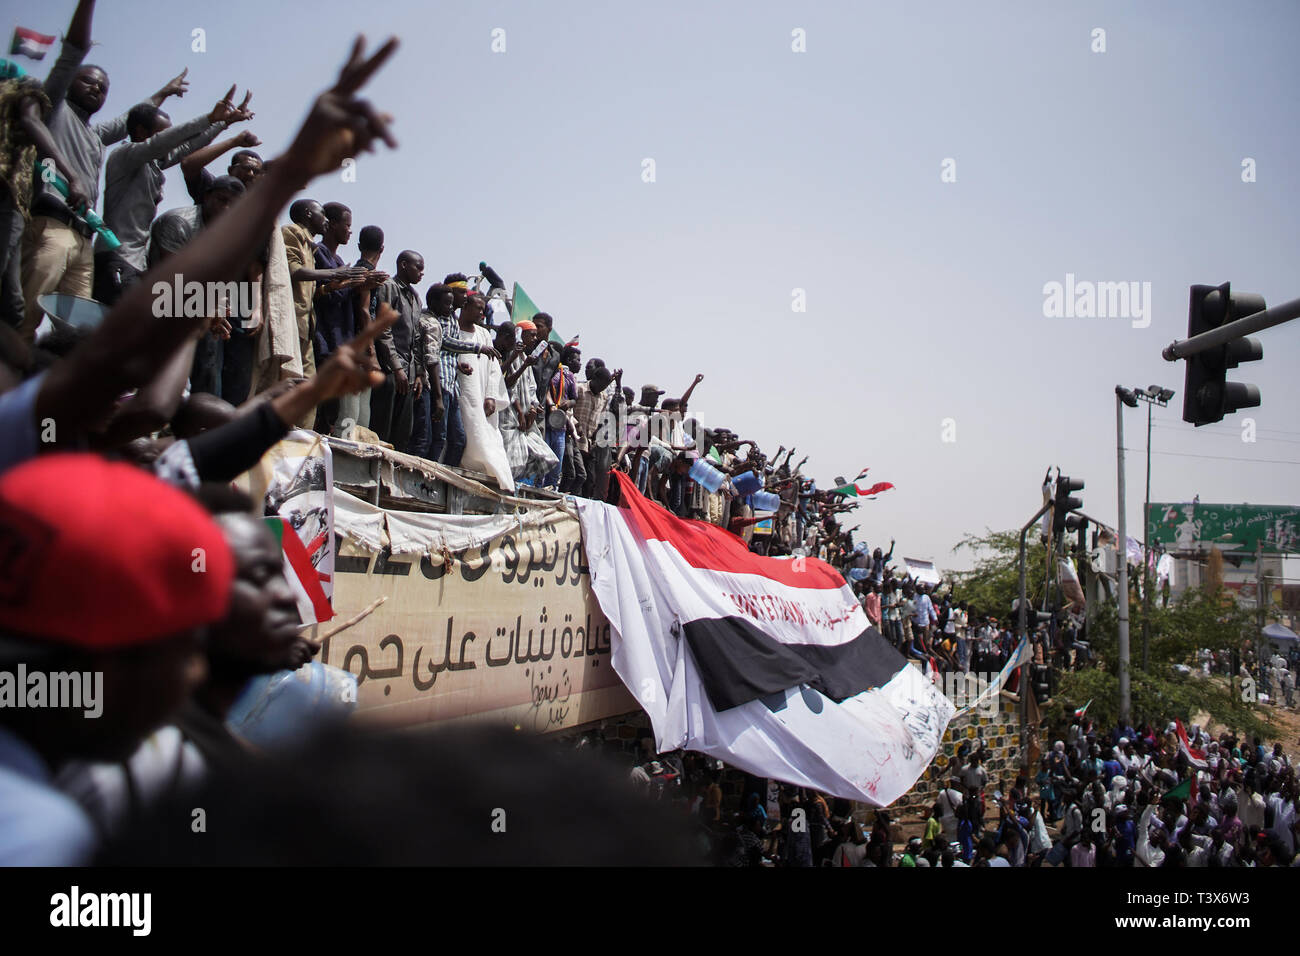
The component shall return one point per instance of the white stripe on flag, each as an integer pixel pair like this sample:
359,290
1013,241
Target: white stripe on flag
870,747
831,616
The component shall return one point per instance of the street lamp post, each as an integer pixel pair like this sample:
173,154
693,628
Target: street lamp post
1123,396
1152,395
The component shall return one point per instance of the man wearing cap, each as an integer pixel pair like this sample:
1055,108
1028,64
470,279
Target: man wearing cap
259,634
106,572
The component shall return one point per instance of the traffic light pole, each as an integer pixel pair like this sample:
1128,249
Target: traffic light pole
1146,556
1023,626
1232,330
1125,691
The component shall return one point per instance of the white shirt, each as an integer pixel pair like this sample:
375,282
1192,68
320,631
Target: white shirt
165,764
1146,854
1283,821
949,800
1251,811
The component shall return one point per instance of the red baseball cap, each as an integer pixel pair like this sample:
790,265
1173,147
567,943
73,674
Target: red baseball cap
103,556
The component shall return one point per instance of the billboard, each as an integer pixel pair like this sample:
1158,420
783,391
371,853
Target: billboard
1198,526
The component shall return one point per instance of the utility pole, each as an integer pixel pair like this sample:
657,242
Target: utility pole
1123,396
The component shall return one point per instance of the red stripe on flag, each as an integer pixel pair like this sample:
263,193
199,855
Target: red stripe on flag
1197,757
35,37
708,547
302,566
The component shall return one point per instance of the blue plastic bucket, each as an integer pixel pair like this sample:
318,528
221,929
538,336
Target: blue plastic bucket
706,475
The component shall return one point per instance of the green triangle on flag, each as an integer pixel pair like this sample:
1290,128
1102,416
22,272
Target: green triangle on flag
524,308
1181,792
313,605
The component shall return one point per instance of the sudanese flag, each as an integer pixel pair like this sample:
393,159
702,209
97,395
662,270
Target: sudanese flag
313,605
769,664
29,43
855,490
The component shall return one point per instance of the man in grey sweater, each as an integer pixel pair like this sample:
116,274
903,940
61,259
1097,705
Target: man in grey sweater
133,183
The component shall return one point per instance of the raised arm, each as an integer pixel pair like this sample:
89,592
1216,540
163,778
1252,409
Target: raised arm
686,395
75,44
160,145
79,29
192,166
176,86
132,344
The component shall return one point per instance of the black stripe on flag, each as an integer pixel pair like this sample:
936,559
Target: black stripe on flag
738,662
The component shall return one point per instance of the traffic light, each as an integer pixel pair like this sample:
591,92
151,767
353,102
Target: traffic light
1207,395
1033,617
1063,503
1040,679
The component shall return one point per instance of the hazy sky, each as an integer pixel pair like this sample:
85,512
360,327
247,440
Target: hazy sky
778,170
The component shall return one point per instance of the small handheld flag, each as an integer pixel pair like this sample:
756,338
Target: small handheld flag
857,491
29,43
1195,757
304,579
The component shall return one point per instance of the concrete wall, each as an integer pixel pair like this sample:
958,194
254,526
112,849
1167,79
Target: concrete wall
1001,735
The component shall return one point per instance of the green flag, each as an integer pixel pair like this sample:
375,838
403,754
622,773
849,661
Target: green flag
525,308
1181,792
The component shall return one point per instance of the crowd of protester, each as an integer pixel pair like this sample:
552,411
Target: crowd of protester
463,384
128,557
1099,799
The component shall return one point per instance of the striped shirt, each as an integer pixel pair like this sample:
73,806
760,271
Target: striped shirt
454,345
588,410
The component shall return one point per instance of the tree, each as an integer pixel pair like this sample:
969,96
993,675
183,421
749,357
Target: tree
1174,687
994,583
